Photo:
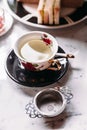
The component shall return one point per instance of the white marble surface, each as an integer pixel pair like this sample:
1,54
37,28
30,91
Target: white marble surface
14,97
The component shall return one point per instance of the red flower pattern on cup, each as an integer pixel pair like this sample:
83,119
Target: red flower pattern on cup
29,66
46,39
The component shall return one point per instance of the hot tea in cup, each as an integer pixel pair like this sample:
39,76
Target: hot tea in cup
35,50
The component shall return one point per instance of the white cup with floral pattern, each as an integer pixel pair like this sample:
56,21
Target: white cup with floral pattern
36,50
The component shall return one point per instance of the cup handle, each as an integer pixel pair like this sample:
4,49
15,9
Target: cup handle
54,62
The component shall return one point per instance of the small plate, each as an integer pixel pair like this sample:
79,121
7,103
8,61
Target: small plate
26,14
30,78
8,23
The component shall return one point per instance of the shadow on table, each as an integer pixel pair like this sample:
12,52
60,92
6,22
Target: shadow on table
58,121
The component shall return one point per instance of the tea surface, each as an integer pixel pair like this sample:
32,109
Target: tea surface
36,50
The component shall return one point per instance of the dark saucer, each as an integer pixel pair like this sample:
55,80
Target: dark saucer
30,78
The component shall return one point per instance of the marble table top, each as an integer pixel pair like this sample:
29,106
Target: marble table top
16,107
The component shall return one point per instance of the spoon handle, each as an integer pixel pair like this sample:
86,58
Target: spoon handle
64,55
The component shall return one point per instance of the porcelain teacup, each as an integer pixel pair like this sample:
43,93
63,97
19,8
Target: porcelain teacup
36,50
